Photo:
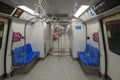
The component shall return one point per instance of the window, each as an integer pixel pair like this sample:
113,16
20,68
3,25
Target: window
113,35
1,32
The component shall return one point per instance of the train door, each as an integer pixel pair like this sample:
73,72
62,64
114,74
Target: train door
3,43
111,28
60,40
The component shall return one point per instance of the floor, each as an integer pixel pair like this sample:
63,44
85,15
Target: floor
53,69
56,68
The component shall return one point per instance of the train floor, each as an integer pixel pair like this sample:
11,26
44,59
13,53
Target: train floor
53,68
57,68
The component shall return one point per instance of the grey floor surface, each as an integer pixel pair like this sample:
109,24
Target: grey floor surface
53,69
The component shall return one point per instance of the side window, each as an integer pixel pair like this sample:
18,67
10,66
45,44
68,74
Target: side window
113,35
1,32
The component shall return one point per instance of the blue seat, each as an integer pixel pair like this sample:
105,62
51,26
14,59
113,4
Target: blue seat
90,56
18,55
82,56
31,56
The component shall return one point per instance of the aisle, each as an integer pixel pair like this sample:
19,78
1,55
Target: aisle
53,69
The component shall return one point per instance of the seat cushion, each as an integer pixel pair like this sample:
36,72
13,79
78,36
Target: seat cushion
94,58
31,56
17,55
93,62
35,53
82,57
19,62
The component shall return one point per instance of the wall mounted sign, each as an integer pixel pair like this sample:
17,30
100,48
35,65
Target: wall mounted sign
78,27
17,13
104,5
5,8
91,12
17,36
95,37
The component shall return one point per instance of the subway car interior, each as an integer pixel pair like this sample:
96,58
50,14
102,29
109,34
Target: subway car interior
59,39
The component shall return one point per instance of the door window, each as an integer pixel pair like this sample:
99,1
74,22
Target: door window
1,32
113,35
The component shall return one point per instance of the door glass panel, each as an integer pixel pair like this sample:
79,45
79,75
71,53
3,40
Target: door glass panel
113,35
1,32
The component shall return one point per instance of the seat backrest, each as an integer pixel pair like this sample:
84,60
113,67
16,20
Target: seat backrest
28,48
17,54
94,52
86,49
89,48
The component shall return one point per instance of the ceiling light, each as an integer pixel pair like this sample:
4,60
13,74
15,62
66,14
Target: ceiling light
81,10
25,8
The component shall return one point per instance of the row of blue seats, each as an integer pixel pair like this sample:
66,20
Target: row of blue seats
18,54
91,56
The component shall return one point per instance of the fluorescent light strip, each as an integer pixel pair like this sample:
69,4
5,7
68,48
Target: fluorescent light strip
81,10
25,8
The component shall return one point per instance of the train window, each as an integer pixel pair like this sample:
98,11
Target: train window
1,32
113,35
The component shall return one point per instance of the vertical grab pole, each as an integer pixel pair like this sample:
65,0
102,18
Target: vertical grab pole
58,49
61,43
58,45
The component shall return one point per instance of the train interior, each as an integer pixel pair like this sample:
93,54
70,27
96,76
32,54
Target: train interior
59,39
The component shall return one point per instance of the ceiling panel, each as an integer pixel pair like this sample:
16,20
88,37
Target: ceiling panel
55,6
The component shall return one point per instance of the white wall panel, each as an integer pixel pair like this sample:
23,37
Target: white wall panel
24,15
18,26
92,26
79,36
37,38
